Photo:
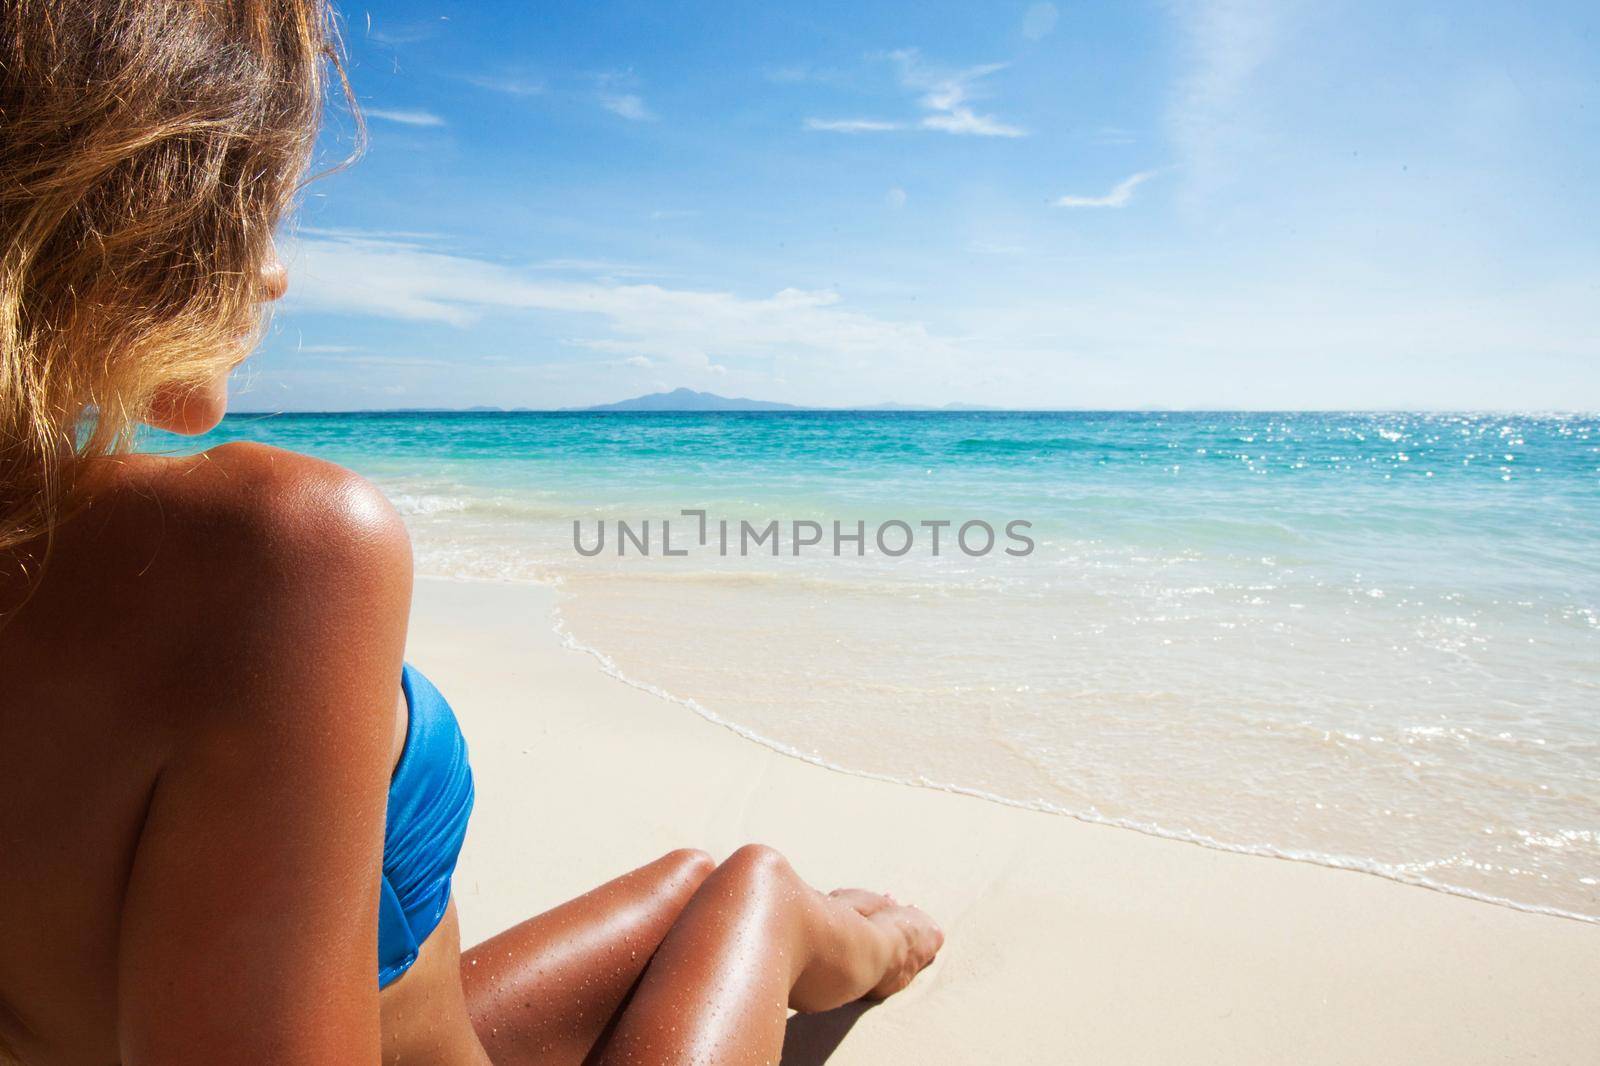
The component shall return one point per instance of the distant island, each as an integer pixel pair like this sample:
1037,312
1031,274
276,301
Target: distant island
676,400
690,400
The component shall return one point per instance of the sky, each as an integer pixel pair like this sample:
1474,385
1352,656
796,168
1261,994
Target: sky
1231,204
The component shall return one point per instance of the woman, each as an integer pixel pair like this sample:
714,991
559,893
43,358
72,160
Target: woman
228,814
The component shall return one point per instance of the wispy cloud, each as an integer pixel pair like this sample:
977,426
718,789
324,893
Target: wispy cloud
403,117
507,84
1227,42
1121,193
852,125
686,327
630,106
948,95
945,96
962,120
613,90
405,32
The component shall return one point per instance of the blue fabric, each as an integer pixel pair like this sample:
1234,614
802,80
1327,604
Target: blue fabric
430,800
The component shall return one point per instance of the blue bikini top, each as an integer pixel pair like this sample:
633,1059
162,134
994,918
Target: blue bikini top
430,800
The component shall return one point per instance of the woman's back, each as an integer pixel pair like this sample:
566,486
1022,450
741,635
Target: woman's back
78,758
180,602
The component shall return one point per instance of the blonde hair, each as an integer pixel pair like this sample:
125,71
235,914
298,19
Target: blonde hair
148,149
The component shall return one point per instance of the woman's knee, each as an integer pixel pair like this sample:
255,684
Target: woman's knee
757,862
688,864
672,878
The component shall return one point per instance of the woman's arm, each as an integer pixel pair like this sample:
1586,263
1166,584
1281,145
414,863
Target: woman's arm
249,926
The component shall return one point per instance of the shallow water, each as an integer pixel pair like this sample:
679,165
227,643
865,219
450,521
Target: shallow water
1366,640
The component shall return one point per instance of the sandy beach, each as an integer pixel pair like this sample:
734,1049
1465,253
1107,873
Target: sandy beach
1068,942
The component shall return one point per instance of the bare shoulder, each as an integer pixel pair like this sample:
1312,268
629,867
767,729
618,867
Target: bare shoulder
236,567
246,510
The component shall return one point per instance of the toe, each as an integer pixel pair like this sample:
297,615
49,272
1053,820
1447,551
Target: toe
865,903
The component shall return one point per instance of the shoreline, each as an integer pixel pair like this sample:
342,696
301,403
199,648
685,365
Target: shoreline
1348,864
1361,642
1068,939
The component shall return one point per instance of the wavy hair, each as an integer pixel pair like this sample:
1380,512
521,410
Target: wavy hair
148,150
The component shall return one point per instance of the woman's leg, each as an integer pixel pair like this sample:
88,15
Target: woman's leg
753,941
545,990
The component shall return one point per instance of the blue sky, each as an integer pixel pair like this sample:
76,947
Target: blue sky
1229,204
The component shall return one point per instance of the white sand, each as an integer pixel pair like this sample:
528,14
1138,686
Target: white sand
1068,942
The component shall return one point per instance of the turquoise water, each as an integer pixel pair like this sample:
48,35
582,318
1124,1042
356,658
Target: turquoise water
1366,640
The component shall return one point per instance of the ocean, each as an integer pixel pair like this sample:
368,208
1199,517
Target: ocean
1370,641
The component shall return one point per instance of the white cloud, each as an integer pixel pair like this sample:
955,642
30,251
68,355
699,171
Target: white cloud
509,84
628,105
852,125
1227,42
406,33
1319,334
1039,21
688,328
945,95
962,120
1120,195
403,117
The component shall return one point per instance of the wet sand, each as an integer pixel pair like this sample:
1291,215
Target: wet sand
1068,942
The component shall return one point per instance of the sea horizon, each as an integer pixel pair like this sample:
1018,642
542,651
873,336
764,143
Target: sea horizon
1369,640
911,409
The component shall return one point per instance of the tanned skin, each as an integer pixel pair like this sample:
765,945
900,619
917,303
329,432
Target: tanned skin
199,715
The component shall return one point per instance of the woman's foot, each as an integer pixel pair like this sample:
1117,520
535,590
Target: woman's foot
865,903
919,934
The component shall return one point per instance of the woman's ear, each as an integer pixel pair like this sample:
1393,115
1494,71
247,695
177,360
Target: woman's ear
274,278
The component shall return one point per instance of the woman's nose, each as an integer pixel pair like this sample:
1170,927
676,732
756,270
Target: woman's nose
274,281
